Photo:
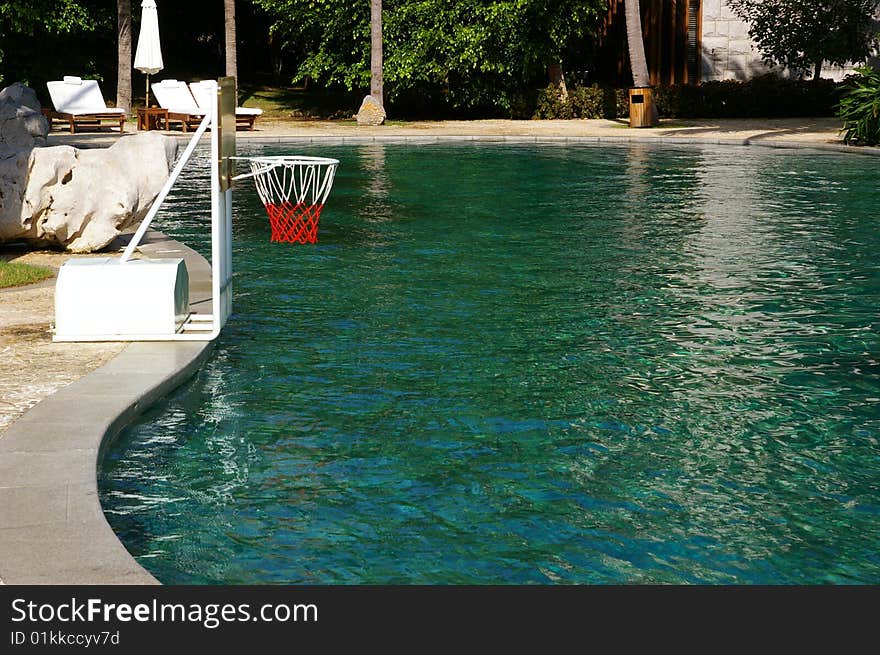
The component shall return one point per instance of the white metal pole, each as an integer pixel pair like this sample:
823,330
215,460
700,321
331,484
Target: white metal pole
216,221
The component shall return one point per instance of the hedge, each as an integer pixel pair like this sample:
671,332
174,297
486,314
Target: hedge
767,96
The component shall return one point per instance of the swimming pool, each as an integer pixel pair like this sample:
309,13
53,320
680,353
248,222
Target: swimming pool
520,364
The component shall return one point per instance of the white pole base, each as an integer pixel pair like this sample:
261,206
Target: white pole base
99,299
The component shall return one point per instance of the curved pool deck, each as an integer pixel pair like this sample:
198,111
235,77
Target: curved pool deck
52,527
820,133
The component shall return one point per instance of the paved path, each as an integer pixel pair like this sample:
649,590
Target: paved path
32,366
818,130
52,528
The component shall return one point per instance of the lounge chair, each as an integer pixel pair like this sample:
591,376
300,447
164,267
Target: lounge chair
80,102
188,104
175,97
244,116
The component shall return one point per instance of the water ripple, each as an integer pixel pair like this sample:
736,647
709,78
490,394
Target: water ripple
515,365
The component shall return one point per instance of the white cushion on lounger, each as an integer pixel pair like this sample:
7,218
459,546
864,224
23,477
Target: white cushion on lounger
79,97
176,97
201,91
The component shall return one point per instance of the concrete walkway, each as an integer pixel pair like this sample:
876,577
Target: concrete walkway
818,130
820,133
52,528
32,366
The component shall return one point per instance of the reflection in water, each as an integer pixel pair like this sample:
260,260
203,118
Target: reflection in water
373,165
505,364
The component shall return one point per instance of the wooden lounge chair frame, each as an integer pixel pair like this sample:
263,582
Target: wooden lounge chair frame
85,120
192,115
245,122
244,117
191,121
80,103
188,121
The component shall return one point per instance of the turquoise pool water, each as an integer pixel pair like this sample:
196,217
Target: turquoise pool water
510,364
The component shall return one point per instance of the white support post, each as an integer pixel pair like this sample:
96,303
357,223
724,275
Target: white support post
216,257
221,225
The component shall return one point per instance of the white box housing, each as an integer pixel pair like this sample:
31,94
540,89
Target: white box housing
98,299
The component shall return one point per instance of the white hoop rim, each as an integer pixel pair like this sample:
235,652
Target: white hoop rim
260,165
289,159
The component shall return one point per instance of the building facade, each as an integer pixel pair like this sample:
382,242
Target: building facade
728,53
686,42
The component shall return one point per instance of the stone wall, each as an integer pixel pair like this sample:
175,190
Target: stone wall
728,52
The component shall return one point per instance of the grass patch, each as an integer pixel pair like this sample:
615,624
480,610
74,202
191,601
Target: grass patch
13,274
299,103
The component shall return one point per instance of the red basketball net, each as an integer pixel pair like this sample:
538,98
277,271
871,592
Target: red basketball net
294,223
293,190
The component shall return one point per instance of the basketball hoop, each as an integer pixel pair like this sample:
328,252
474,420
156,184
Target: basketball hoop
293,190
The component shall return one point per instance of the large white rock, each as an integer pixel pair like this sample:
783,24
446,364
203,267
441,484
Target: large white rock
78,199
83,199
22,127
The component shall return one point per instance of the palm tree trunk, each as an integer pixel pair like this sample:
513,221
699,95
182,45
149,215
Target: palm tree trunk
637,59
376,81
231,49
636,44
123,65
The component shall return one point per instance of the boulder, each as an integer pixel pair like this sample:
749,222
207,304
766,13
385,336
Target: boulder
371,112
83,199
22,127
61,196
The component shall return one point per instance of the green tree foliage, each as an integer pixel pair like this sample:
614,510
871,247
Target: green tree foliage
30,16
468,53
801,34
39,35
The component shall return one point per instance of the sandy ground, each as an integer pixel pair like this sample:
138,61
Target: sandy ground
32,366
819,130
815,130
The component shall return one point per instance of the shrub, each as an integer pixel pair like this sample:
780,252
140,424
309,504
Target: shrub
767,96
582,102
860,108
619,104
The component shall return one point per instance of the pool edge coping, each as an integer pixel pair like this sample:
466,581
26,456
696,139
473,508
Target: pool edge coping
53,530
781,141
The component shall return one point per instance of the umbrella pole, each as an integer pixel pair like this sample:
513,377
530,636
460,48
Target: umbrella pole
147,94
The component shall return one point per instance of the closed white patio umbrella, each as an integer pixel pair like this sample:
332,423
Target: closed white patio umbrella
148,56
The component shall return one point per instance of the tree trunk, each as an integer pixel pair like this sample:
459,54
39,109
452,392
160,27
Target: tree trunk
636,45
557,79
123,64
817,74
376,81
231,50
